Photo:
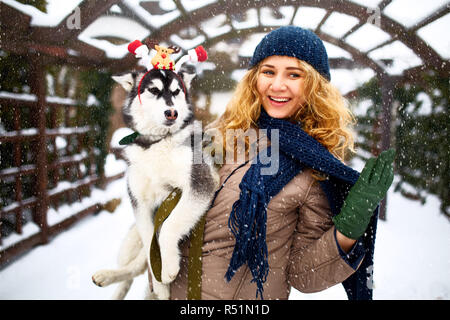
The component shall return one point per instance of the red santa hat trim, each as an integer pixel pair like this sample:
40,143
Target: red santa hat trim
195,55
133,46
201,54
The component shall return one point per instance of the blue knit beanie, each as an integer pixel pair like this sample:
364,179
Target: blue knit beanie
294,42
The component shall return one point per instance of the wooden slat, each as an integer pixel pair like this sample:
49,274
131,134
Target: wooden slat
433,17
31,202
14,137
39,89
30,101
322,22
383,4
9,254
24,204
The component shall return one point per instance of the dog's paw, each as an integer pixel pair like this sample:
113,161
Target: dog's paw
160,292
103,278
169,272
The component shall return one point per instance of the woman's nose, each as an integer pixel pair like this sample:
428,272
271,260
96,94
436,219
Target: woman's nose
278,83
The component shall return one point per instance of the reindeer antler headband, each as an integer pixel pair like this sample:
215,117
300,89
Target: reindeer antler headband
162,58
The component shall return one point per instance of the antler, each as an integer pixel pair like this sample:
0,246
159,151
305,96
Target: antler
175,49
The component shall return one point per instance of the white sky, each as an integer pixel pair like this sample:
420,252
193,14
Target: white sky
309,17
409,12
338,24
367,37
436,35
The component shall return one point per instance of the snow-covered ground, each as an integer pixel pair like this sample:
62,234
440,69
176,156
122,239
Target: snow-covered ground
412,256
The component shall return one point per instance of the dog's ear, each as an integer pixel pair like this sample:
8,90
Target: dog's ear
126,80
187,73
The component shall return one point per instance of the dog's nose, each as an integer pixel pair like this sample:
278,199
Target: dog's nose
171,114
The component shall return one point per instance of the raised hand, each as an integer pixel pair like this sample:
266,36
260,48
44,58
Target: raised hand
365,195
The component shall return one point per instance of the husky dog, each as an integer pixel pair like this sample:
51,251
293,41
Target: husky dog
160,159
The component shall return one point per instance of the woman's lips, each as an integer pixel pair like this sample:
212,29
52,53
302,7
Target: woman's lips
278,101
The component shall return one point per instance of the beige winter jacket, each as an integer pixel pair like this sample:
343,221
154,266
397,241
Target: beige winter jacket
303,251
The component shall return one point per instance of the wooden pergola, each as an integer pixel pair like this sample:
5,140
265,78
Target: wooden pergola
60,44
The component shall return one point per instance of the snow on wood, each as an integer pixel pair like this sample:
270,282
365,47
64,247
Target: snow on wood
16,170
92,101
57,10
156,21
251,20
18,96
113,26
56,131
23,132
68,130
216,26
187,44
15,205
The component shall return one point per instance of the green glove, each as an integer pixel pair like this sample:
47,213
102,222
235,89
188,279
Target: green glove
364,196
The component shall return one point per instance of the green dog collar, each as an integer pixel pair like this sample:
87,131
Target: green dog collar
129,138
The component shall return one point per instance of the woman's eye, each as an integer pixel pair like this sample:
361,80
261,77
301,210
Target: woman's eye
295,75
154,91
176,92
268,72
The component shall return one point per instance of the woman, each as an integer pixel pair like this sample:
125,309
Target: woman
267,233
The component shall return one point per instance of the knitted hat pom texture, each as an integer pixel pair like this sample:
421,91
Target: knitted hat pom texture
294,42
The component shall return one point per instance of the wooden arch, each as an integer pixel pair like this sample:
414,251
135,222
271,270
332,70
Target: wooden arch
431,59
59,41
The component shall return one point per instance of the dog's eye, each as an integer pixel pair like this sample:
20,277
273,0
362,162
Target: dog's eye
176,92
154,91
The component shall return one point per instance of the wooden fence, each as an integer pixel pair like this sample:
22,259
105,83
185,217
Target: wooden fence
47,159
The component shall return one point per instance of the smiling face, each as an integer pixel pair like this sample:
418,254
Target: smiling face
280,84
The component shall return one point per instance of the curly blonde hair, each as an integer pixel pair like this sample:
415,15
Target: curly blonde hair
324,116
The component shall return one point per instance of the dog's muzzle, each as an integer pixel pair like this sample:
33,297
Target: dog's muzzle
171,114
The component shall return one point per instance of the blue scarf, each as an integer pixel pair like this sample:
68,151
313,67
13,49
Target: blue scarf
248,217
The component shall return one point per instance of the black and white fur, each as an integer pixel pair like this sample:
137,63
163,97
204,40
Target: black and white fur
159,160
